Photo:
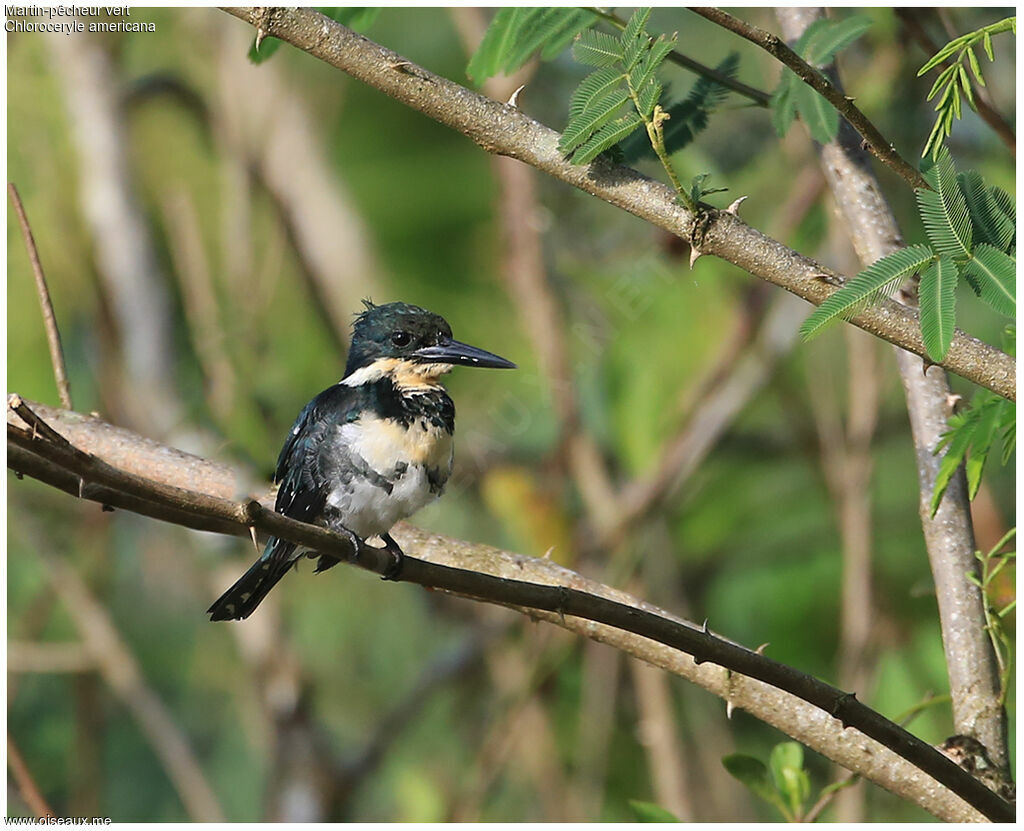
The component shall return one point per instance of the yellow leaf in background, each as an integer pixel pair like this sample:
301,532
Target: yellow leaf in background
529,510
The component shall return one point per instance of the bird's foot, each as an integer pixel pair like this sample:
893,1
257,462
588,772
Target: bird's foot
327,561
397,558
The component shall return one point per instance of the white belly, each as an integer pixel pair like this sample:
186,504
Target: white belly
369,510
414,462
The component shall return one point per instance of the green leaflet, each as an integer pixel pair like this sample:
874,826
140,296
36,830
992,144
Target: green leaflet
821,117
955,80
687,117
606,137
786,764
991,225
993,275
647,98
592,87
595,115
879,279
937,301
597,49
627,72
650,61
943,209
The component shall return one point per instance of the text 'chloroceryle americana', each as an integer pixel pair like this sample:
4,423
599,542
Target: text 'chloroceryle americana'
370,450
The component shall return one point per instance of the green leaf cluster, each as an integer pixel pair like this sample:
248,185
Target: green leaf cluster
516,34
625,73
783,782
971,234
953,84
972,434
358,18
818,46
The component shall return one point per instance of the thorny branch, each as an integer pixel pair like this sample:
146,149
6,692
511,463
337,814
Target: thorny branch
505,130
481,572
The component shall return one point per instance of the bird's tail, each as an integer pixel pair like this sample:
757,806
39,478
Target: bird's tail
241,600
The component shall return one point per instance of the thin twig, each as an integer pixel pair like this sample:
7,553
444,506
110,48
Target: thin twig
777,48
60,370
560,599
26,784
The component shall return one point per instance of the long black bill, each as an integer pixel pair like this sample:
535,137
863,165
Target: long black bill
454,352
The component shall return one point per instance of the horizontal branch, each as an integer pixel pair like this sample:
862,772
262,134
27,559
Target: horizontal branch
67,458
505,130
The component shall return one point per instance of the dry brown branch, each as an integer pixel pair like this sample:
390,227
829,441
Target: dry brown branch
542,590
60,371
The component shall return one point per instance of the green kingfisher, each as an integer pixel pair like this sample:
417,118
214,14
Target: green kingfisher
370,450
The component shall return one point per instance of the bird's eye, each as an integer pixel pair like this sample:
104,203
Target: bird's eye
441,336
401,338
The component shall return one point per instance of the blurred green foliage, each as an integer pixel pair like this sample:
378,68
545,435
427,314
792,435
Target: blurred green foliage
751,542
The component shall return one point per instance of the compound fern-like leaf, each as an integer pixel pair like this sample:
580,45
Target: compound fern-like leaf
943,209
879,279
595,115
993,275
991,225
937,301
592,87
596,49
608,136
689,116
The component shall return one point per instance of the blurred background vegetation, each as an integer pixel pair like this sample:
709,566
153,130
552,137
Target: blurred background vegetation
264,202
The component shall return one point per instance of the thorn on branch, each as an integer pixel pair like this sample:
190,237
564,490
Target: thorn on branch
513,100
734,208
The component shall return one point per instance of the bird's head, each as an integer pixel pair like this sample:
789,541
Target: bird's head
401,339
